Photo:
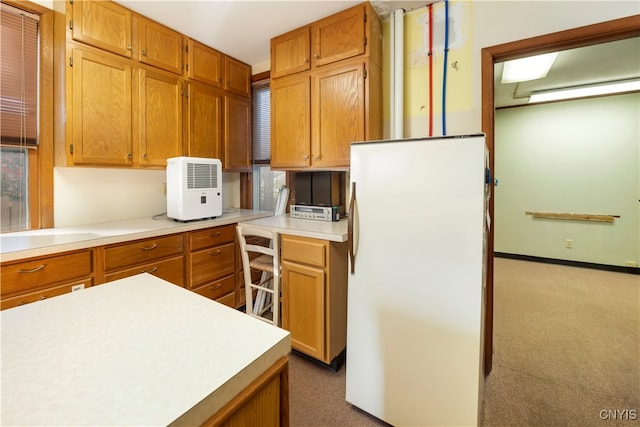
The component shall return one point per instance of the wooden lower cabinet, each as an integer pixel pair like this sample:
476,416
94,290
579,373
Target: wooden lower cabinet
161,256
265,402
38,278
53,291
171,270
211,263
314,296
203,261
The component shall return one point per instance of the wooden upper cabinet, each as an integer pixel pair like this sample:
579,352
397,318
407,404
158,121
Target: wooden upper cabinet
204,64
204,121
291,52
291,121
160,117
103,24
100,109
338,113
237,76
159,46
339,36
237,137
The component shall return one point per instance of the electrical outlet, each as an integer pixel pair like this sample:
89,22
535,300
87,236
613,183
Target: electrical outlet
568,243
77,287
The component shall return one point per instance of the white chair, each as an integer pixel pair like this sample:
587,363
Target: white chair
260,251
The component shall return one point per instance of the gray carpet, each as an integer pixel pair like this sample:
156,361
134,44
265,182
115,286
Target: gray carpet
566,347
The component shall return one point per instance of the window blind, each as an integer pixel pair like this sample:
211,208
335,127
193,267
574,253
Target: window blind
18,77
261,122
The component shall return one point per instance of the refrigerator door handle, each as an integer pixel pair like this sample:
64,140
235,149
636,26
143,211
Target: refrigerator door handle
352,231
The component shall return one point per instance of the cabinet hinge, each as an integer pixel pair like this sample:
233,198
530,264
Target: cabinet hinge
70,1
365,71
187,67
365,41
71,61
365,17
71,148
186,48
70,24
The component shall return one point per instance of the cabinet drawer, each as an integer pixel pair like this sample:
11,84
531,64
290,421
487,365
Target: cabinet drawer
42,294
228,300
142,251
171,270
212,237
211,264
304,250
217,289
39,273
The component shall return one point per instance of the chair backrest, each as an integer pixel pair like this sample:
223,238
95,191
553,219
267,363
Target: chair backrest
260,241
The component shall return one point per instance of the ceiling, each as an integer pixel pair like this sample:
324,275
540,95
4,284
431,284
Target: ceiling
243,29
606,62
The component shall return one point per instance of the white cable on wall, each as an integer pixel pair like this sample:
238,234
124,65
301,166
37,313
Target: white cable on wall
397,125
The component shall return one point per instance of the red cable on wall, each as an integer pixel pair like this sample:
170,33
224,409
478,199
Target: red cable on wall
430,69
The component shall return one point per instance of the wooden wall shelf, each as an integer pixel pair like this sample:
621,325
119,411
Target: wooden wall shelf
574,216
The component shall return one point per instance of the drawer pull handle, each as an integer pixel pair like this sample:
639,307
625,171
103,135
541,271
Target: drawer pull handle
153,270
216,253
33,270
216,286
216,234
43,297
148,248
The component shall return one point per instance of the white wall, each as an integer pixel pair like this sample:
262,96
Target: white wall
476,25
93,195
576,157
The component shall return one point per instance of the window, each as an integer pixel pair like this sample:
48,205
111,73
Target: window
19,116
266,183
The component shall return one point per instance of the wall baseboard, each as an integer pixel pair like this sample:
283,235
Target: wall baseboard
616,268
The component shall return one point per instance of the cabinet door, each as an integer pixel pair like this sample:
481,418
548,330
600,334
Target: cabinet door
291,121
160,46
303,313
238,77
339,36
290,52
204,116
237,134
103,24
338,113
160,117
100,111
204,64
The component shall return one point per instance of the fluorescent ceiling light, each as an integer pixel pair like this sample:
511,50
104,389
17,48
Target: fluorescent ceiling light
584,91
531,68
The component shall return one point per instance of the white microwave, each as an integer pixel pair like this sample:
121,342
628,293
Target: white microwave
194,188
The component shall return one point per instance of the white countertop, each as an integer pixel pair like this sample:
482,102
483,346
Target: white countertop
326,230
26,244
137,351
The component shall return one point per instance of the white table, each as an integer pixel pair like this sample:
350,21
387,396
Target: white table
137,351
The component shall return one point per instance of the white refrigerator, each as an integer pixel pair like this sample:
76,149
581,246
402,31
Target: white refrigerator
418,223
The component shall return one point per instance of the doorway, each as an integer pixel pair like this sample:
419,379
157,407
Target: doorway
583,36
